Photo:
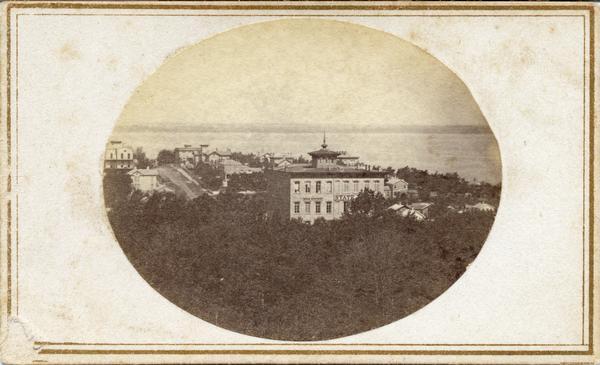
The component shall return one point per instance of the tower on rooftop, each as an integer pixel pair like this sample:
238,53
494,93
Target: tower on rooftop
324,158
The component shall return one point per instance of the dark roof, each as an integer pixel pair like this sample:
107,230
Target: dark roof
220,153
324,152
420,206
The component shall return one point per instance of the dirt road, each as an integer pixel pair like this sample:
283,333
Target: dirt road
183,184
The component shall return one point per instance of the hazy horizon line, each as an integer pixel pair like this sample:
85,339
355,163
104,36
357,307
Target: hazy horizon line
320,128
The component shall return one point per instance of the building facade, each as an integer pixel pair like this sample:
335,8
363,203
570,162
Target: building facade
396,188
190,156
215,157
322,189
417,211
118,157
145,180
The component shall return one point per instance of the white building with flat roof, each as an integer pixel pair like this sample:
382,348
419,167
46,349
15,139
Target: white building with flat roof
323,188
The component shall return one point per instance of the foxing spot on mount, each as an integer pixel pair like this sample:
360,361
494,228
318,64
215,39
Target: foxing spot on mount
301,179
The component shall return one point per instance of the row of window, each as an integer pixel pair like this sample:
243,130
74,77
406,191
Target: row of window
318,206
122,156
119,166
329,186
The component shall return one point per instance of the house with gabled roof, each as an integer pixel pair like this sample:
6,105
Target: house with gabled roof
217,156
396,188
144,180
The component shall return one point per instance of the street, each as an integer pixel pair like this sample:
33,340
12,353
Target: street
180,182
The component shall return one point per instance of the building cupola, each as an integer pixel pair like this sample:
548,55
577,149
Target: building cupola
324,158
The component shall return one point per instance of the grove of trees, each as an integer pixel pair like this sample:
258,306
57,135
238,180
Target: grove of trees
232,262
165,157
140,158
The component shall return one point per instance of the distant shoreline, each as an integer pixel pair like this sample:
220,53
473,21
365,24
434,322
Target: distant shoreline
471,155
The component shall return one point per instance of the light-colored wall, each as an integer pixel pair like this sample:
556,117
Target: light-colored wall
336,196
214,158
113,159
397,189
145,182
239,169
115,153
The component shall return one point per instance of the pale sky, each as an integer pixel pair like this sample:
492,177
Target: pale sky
302,72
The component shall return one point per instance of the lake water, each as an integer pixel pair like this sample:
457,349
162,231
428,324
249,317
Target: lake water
472,156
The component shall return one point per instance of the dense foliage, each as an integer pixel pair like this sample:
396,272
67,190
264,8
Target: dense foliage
165,157
116,186
242,182
447,185
231,262
249,159
141,160
210,176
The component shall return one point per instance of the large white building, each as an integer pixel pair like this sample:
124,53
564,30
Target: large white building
118,156
321,189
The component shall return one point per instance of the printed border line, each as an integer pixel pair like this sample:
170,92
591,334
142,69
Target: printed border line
583,257
47,343
592,84
314,15
590,10
289,6
16,194
306,352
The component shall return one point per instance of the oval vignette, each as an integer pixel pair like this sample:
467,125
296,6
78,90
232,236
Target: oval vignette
214,198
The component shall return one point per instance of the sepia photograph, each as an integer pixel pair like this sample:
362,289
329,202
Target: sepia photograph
298,182
301,188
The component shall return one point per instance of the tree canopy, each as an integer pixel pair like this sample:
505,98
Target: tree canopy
232,262
165,157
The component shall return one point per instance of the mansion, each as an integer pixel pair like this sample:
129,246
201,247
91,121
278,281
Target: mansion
321,189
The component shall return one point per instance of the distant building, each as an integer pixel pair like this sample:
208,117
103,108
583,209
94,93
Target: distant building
418,211
189,155
323,188
230,167
347,160
422,208
217,156
283,163
396,188
145,180
118,157
276,159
